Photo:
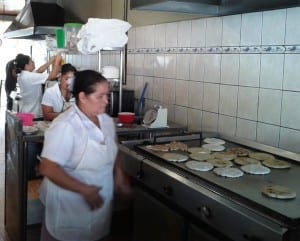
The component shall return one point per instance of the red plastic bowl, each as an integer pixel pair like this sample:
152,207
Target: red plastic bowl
126,117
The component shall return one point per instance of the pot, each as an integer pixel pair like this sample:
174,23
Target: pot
126,117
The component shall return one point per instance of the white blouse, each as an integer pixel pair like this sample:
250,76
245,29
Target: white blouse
65,140
31,91
52,97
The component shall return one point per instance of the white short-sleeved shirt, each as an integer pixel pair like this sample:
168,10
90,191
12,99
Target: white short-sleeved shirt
31,91
65,140
52,97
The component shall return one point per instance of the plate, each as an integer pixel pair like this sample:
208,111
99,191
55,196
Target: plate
150,116
29,130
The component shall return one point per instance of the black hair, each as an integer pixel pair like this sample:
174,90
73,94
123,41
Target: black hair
10,82
67,68
20,62
11,76
85,81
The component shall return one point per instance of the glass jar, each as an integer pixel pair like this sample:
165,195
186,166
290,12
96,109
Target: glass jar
71,30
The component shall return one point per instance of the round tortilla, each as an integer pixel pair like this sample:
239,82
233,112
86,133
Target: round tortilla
228,172
199,166
256,169
215,141
224,156
239,151
216,162
200,156
246,161
177,145
174,157
278,192
198,150
261,156
276,163
158,147
214,147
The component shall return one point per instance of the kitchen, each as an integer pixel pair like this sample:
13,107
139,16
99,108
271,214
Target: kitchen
234,74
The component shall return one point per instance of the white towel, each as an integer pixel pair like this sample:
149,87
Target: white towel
98,34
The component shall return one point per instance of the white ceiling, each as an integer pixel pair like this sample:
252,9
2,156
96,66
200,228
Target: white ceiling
11,7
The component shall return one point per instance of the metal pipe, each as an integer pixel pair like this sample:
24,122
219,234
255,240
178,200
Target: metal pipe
121,78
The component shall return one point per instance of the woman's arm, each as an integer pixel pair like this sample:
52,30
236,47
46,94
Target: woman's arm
57,175
55,62
49,113
122,183
44,67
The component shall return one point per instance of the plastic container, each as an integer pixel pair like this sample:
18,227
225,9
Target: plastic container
126,117
26,118
71,30
60,38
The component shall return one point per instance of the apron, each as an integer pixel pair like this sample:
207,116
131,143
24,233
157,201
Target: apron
68,216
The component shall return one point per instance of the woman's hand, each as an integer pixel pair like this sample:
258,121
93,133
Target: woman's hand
52,59
92,197
124,188
57,59
122,181
57,175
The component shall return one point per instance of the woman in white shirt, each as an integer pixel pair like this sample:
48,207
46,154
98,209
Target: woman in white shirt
30,81
80,165
57,97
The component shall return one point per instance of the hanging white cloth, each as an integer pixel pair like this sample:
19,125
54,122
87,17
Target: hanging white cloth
99,34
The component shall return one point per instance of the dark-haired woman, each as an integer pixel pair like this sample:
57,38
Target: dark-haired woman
58,97
80,165
10,82
30,81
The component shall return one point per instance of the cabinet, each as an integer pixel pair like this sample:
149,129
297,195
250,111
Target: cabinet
196,234
154,221
23,214
164,204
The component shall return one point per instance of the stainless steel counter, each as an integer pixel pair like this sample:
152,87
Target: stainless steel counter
233,207
132,130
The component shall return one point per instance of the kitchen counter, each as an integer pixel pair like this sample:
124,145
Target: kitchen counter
142,129
21,211
129,130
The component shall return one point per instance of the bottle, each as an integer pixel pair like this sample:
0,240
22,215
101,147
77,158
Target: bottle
62,62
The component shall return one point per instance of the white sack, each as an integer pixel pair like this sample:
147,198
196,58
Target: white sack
98,34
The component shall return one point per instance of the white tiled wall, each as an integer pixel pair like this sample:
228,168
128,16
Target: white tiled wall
236,74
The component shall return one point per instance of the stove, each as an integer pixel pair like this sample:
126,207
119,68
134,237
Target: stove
234,208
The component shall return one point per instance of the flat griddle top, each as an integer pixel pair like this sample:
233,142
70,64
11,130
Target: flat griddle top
246,188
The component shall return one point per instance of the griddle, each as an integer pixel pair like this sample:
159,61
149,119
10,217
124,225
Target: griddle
245,189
